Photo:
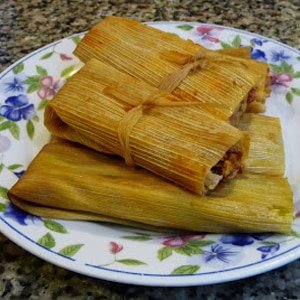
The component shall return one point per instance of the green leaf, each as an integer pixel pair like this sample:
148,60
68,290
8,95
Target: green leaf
47,241
35,79
76,39
70,250
298,57
33,88
200,243
275,68
12,127
294,234
2,207
269,243
47,55
286,68
67,72
295,91
296,75
188,250
225,45
54,226
289,97
5,125
1,167
35,118
14,167
185,27
140,237
30,129
164,253
237,41
3,192
14,130
185,270
42,104
41,71
18,68
130,262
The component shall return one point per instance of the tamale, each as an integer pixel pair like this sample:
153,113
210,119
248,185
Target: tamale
225,85
70,181
113,112
266,142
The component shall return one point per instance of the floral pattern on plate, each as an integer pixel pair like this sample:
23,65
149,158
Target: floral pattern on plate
126,254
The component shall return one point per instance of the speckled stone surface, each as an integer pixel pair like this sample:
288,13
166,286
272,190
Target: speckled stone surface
28,25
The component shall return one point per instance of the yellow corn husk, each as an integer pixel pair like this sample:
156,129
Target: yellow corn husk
67,180
265,141
221,82
181,143
242,52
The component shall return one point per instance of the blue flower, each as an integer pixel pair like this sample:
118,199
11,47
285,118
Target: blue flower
243,239
19,174
258,55
14,85
19,215
279,56
218,252
17,108
258,41
268,250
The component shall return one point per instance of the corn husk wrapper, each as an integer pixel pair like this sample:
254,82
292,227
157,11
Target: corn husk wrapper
178,141
223,83
266,153
67,180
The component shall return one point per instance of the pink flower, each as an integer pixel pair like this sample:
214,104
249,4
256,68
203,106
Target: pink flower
115,248
65,57
209,33
281,79
297,214
49,87
180,241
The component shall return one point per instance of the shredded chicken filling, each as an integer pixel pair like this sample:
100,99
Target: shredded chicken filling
250,103
228,167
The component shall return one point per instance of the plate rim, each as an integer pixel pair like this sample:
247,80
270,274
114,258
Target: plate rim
282,259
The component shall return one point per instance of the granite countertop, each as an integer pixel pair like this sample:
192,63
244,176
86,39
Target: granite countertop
28,25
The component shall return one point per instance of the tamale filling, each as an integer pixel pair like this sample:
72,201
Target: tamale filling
228,167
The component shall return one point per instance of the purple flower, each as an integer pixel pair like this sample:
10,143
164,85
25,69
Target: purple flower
258,55
49,87
243,239
4,143
208,34
179,241
279,56
268,250
14,84
19,215
17,108
218,252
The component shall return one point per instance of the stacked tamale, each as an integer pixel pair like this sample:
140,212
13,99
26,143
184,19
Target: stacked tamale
160,133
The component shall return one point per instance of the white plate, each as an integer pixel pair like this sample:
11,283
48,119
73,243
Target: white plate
124,254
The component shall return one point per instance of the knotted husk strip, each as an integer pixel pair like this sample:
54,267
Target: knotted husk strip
69,181
265,141
180,143
221,84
